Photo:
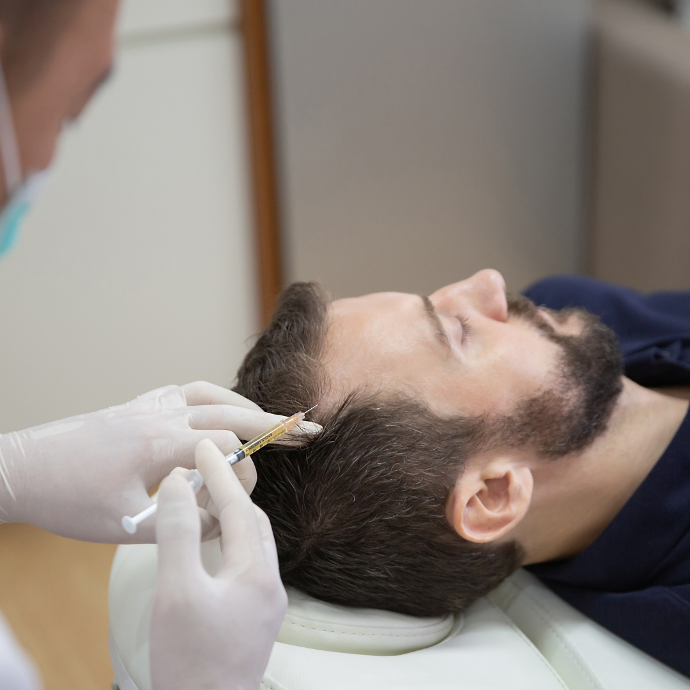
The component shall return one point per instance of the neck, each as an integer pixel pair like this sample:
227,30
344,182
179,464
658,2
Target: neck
575,498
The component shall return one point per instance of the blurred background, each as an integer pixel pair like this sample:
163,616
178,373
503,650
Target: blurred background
371,145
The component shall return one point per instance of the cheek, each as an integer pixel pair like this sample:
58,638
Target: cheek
38,129
496,383
522,371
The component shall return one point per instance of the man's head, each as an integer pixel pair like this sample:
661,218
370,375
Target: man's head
54,53
433,409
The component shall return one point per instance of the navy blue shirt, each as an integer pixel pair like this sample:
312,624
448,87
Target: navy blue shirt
634,579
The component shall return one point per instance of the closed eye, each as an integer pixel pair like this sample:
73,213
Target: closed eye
466,330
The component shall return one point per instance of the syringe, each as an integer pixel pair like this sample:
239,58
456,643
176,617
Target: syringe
196,481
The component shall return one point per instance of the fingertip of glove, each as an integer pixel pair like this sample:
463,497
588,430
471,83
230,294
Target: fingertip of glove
206,445
174,486
207,452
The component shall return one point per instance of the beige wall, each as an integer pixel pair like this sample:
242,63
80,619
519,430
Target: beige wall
424,140
641,185
136,269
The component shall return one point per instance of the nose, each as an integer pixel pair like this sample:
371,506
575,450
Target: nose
485,292
489,292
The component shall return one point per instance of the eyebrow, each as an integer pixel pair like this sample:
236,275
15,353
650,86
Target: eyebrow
435,321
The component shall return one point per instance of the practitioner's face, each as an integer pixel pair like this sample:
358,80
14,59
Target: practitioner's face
45,98
460,349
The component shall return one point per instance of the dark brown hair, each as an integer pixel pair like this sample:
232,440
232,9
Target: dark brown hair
359,512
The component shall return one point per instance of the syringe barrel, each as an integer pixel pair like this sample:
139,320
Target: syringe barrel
196,481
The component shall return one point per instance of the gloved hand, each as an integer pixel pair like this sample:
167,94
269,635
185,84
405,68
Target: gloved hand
213,632
79,476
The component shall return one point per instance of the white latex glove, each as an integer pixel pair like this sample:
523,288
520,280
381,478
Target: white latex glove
79,476
213,632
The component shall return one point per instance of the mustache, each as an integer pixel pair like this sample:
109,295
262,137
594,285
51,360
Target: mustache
523,308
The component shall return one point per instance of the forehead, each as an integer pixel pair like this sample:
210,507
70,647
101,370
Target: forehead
370,318
373,340
377,303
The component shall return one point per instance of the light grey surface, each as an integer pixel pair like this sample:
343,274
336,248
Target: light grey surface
143,16
422,140
137,268
641,191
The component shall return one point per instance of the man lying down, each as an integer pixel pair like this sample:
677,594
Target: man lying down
468,433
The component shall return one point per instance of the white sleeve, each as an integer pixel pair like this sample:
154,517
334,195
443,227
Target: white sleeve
17,671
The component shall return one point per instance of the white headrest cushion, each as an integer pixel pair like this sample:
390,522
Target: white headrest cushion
318,625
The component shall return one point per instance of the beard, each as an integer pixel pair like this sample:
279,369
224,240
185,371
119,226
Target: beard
577,406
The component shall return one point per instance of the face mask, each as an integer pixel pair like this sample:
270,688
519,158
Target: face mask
22,191
18,205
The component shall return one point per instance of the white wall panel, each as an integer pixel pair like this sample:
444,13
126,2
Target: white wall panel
137,268
422,140
144,16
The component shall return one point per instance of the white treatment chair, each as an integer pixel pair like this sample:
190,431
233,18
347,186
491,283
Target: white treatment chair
521,637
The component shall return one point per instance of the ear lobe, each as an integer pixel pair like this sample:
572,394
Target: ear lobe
488,502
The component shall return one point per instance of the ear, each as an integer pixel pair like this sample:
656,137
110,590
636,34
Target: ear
490,498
